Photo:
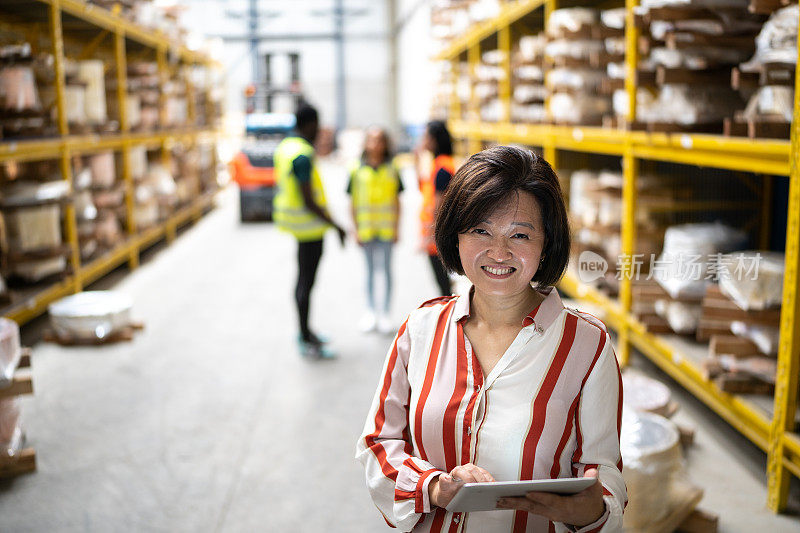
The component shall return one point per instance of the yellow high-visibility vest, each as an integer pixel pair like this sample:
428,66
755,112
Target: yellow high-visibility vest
374,194
289,209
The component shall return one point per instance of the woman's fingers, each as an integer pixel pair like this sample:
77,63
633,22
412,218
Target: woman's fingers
524,504
470,473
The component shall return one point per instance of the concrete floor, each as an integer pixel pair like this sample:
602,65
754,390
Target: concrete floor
210,421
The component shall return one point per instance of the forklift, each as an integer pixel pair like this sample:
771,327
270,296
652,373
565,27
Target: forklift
252,168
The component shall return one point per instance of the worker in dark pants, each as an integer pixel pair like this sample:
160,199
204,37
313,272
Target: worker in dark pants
436,140
299,208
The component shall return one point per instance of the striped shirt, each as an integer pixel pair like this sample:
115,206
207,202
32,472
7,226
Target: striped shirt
550,408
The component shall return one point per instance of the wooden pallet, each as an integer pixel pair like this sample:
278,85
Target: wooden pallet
687,39
21,383
709,76
699,521
767,74
25,461
22,463
756,129
717,306
766,7
124,334
681,510
671,127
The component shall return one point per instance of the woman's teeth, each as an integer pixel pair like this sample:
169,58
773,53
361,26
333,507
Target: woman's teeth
499,271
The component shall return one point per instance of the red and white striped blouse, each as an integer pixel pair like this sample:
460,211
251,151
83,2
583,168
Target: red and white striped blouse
551,407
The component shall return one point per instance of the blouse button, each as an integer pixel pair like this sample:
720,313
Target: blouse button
469,430
456,519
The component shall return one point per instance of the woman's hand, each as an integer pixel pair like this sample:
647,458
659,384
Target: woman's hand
444,488
578,510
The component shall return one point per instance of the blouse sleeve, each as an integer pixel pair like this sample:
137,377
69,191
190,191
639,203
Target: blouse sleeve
397,480
598,426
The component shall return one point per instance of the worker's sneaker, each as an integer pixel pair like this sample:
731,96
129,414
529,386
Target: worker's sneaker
318,352
385,325
368,322
313,349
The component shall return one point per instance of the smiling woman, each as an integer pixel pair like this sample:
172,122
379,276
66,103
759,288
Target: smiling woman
503,383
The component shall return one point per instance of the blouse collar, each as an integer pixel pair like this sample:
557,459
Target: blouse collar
541,317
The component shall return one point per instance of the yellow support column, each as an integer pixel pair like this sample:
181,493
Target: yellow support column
631,57
630,171
455,101
166,157
163,76
786,380
504,86
124,125
191,110
473,112
549,7
70,218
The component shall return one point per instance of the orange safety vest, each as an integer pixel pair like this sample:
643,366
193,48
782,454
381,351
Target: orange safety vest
427,185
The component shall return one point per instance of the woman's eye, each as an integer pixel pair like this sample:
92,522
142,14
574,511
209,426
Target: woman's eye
479,231
521,236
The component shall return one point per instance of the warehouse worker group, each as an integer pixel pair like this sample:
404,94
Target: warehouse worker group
300,209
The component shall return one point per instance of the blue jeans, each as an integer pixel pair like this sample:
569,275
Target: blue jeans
379,254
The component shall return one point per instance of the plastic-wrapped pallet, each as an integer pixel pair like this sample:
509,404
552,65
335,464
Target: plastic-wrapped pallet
33,215
102,166
682,317
777,41
91,72
163,188
766,338
529,92
10,350
91,314
682,267
577,52
654,472
578,109
18,92
571,20
753,279
138,161
10,429
773,102
645,394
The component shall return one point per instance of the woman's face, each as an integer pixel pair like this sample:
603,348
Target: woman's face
375,144
428,143
501,254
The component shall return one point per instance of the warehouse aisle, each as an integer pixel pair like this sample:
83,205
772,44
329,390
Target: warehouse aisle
210,421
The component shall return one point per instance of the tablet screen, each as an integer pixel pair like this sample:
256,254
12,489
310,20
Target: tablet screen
483,496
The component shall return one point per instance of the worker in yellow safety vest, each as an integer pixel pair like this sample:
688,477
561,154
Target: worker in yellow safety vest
299,208
374,187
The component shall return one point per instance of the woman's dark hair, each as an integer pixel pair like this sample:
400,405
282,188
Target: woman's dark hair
486,180
304,115
387,152
438,131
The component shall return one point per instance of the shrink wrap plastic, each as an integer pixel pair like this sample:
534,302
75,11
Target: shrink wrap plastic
10,350
682,267
653,468
753,279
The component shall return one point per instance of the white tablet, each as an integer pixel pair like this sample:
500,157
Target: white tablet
484,496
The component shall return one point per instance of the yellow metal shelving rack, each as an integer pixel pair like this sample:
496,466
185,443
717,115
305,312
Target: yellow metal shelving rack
772,430
48,15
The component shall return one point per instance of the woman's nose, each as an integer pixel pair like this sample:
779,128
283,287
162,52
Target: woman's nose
499,251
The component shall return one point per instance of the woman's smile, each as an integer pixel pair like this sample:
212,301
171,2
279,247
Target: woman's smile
498,272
